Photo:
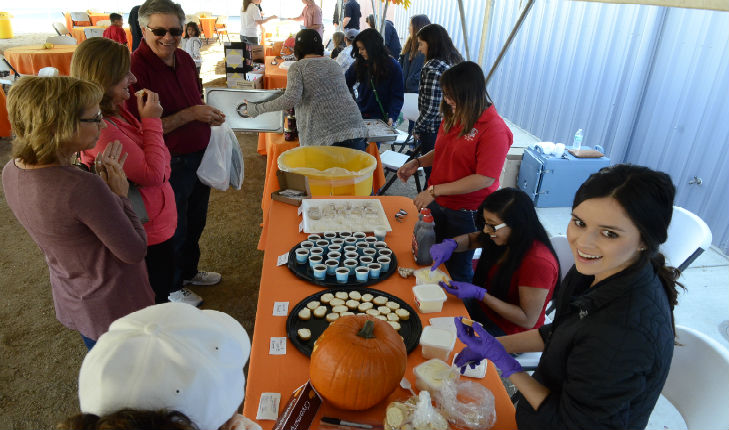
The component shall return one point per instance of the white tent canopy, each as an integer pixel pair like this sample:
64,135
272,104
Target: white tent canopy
722,5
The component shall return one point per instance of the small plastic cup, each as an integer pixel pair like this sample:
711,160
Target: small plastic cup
351,255
371,240
335,248
337,241
350,264
369,252
374,270
359,236
315,259
365,260
342,275
302,254
349,248
350,241
384,262
329,235
345,234
332,266
307,244
380,244
320,271
361,247
313,237
334,255
316,251
380,234
323,244
385,252
362,273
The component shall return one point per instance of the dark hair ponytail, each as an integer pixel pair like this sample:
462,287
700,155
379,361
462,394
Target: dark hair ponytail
130,419
647,198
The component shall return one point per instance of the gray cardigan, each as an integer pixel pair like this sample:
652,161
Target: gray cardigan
326,113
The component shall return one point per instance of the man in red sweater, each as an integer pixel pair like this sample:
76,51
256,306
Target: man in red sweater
115,31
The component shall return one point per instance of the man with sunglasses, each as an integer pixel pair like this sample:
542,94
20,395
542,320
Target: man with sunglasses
162,67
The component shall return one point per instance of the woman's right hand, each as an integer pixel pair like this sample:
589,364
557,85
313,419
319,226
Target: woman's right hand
483,346
110,166
441,252
151,108
407,170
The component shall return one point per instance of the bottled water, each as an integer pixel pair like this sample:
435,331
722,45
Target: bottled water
577,143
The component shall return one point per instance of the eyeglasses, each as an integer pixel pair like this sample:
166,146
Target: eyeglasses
160,32
96,119
495,228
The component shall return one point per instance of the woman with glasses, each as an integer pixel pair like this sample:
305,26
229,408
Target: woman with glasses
518,269
106,63
84,223
470,150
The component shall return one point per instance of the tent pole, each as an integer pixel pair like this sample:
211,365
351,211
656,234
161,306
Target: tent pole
515,30
384,17
484,30
463,26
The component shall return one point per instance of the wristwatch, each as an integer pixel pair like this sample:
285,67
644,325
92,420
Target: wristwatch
431,191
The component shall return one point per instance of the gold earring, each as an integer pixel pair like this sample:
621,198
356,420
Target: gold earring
641,249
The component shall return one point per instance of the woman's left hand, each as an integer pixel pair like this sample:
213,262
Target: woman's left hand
423,199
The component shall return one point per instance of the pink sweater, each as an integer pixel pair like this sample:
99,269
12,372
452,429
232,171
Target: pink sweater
147,165
93,242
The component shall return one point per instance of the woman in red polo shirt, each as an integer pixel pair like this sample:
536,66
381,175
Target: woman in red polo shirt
469,154
518,269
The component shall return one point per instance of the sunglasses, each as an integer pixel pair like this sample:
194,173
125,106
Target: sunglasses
160,32
96,119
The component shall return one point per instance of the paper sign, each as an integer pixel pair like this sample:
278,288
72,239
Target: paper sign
278,346
280,309
299,210
268,406
301,226
282,259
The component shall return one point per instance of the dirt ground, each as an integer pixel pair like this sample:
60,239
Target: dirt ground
40,358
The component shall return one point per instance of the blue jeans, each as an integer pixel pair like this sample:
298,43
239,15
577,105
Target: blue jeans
450,223
88,342
358,143
191,197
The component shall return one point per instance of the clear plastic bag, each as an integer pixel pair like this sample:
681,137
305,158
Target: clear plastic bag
222,163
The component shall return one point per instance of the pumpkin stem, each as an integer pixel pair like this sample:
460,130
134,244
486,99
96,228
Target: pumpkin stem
367,331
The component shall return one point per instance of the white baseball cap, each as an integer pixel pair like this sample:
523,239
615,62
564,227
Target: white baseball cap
170,356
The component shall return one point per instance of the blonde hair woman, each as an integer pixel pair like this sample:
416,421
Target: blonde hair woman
93,242
107,63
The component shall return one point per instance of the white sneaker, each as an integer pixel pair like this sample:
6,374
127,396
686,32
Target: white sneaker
204,278
184,295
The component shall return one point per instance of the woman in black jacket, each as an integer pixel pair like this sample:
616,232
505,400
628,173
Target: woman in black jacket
607,354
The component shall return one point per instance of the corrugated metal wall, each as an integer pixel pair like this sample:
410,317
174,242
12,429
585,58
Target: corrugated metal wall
647,83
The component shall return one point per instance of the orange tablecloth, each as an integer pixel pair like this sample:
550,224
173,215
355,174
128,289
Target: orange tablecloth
27,60
207,26
96,17
4,121
272,145
80,36
273,76
283,373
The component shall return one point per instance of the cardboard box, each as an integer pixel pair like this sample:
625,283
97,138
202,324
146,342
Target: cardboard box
291,181
300,409
239,81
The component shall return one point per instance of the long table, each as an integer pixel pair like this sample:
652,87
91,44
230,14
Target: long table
79,34
274,76
27,60
284,373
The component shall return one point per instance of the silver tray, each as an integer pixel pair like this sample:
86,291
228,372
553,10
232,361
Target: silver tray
230,102
379,131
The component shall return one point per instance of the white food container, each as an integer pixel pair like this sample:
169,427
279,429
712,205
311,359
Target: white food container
437,343
429,297
478,372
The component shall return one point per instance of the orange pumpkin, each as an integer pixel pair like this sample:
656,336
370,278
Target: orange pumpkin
357,362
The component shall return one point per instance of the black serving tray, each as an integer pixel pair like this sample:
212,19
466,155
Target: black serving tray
410,329
304,271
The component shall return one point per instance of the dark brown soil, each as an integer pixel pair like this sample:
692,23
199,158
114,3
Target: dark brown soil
40,358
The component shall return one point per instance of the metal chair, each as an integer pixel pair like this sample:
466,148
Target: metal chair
61,29
697,382
103,23
61,40
397,158
221,27
81,17
688,237
93,32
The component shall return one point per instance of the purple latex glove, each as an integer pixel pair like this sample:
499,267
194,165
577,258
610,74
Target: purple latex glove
464,290
441,252
483,346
